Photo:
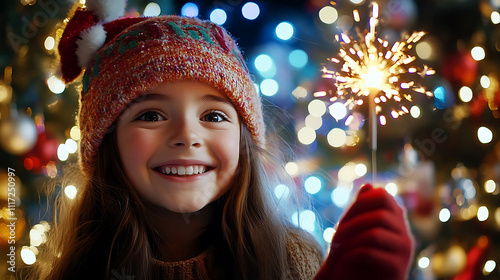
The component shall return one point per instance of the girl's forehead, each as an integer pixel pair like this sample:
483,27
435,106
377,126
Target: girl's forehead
186,89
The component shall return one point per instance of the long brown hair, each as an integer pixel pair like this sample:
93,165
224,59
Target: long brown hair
103,231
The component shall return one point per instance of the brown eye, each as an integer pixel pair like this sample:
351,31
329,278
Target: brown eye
150,116
214,117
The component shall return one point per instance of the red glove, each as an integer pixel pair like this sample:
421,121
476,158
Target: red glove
372,240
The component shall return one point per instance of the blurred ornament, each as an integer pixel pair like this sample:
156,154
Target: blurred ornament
10,211
44,151
476,258
18,134
460,69
450,262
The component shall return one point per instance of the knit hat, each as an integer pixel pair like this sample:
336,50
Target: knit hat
123,57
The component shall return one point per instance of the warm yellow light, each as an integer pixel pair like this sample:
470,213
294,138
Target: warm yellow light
292,168
70,191
373,78
49,43
306,135
74,133
490,186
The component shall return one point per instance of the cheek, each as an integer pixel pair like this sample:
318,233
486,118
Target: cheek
135,149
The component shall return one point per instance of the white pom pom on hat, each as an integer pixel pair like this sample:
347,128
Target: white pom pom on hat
92,39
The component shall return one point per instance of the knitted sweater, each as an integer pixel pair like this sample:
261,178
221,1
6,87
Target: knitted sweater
304,258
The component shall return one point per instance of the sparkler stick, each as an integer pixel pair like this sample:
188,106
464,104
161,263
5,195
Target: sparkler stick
370,68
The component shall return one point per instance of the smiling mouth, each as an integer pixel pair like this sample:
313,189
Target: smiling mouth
180,170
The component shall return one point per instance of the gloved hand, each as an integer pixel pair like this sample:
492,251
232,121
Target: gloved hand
372,240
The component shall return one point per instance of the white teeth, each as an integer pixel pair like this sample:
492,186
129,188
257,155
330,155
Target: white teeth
183,170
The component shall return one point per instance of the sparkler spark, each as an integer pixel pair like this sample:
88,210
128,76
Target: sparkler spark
370,67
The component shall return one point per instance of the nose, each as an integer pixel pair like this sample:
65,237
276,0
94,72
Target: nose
184,134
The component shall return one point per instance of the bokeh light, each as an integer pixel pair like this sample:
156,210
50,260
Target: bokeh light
305,220
482,213
306,135
340,196
70,191
485,81
263,63
27,255
490,186
336,137
299,92
218,16
74,133
313,122
291,168
391,188
190,10
298,58
444,215
284,30
465,94
62,152
56,85
269,87
328,234
337,110
316,108
424,50
281,191
489,266
415,111
312,185
360,169
484,134
424,262
152,10
49,43
495,17
328,14
250,11
478,53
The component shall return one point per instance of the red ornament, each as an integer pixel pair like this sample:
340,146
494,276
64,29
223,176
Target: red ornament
460,69
44,151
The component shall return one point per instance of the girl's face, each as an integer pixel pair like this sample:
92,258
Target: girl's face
179,144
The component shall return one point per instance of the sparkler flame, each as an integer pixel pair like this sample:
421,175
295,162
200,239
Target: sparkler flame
370,67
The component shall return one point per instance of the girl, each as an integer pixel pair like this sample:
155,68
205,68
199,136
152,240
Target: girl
177,170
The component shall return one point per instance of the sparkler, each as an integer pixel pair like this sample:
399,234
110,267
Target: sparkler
371,68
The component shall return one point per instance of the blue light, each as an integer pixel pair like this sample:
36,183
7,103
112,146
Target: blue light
250,10
439,97
340,196
306,220
269,87
263,63
298,58
189,10
284,30
312,185
218,16
281,191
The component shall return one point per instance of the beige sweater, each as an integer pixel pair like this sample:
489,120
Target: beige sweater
304,257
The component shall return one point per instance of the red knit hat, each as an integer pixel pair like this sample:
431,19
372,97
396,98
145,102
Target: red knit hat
124,57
